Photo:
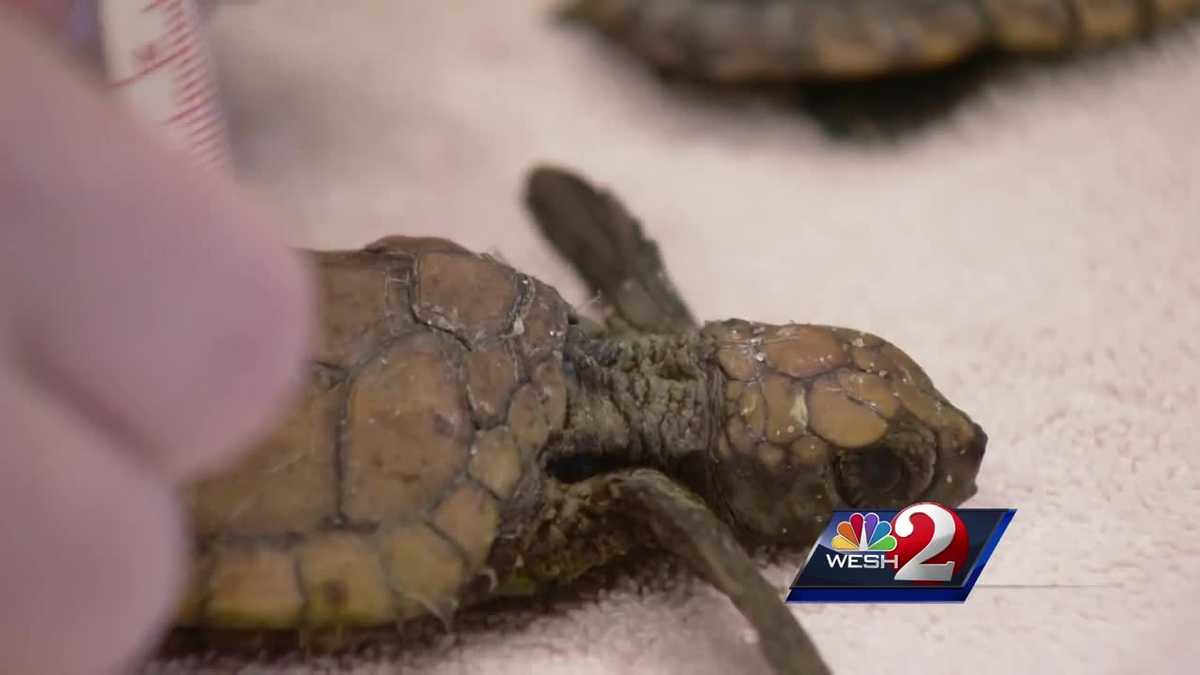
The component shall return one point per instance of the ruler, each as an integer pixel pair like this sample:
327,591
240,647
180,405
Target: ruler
158,63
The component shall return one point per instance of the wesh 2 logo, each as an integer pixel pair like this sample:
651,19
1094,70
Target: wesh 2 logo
923,553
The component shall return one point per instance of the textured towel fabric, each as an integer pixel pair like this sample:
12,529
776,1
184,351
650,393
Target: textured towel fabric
1038,251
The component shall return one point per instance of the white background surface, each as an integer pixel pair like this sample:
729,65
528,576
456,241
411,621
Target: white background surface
1038,252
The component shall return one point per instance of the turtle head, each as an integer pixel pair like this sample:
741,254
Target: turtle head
817,418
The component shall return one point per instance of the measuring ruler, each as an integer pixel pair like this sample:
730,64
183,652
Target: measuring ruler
158,63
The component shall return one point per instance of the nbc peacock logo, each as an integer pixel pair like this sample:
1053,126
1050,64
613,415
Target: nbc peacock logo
864,532
863,541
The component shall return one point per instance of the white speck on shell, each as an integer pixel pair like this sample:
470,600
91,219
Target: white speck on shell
799,412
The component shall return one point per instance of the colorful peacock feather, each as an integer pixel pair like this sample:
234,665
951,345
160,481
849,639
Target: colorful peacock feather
864,533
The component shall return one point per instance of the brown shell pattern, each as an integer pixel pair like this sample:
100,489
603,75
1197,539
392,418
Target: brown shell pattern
437,378
796,390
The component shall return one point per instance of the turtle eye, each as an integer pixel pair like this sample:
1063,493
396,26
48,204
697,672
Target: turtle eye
872,477
883,473
893,473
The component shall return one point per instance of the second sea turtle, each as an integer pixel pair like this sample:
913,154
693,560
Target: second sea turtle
744,41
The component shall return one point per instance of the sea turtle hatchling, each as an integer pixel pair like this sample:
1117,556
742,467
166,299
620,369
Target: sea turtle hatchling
789,40
466,435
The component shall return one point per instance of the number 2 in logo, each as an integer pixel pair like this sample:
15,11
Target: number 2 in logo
931,543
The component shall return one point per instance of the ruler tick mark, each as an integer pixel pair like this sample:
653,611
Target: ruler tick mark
147,51
204,124
213,134
194,96
191,110
190,84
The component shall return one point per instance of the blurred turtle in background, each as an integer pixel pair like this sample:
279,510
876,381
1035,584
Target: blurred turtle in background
869,68
738,41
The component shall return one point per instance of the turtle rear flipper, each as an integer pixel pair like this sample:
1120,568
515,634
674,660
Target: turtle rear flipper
683,525
606,246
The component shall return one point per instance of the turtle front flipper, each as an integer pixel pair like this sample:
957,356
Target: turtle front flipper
606,245
685,526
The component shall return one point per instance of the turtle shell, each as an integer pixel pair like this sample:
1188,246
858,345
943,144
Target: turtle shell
436,380
781,40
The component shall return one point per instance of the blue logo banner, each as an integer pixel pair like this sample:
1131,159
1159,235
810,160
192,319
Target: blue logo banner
923,553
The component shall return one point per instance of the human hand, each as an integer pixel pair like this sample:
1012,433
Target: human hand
152,321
